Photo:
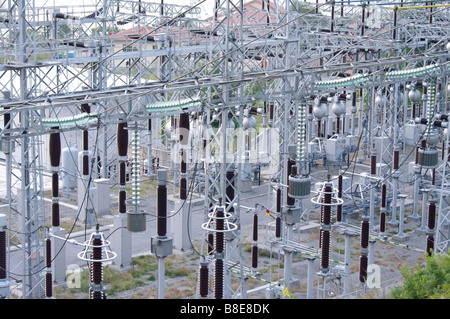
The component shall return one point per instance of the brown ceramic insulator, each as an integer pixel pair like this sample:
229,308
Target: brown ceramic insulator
383,195
85,165
278,200
122,139
96,266
254,256
431,215
55,185
363,263
271,111
325,253
2,254
55,215
219,237
373,164
122,202
48,285
204,281
48,253
183,188
55,148
364,234
85,140
382,222
218,279
255,227
162,210
396,159
278,227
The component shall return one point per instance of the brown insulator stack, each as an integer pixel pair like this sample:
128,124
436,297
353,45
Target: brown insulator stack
431,222
162,208
184,139
3,243
278,217
363,260
219,247
96,290
255,242
204,279
325,234
383,209
48,265
55,157
85,108
122,149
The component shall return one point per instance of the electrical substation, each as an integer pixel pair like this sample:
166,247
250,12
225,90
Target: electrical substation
279,148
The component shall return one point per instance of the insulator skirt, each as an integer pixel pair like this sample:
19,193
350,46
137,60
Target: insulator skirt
255,227
373,164
218,279
162,210
2,255
363,263
431,216
382,222
364,234
325,257
122,139
254,256
48,253
55,215
96,267
279,200
55,185
396,159
204,281
183,188
48,285
55,149
278,227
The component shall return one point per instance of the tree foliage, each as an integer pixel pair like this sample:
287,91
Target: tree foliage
431,281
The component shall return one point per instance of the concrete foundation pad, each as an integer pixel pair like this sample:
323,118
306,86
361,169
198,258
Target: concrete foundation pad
400,238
